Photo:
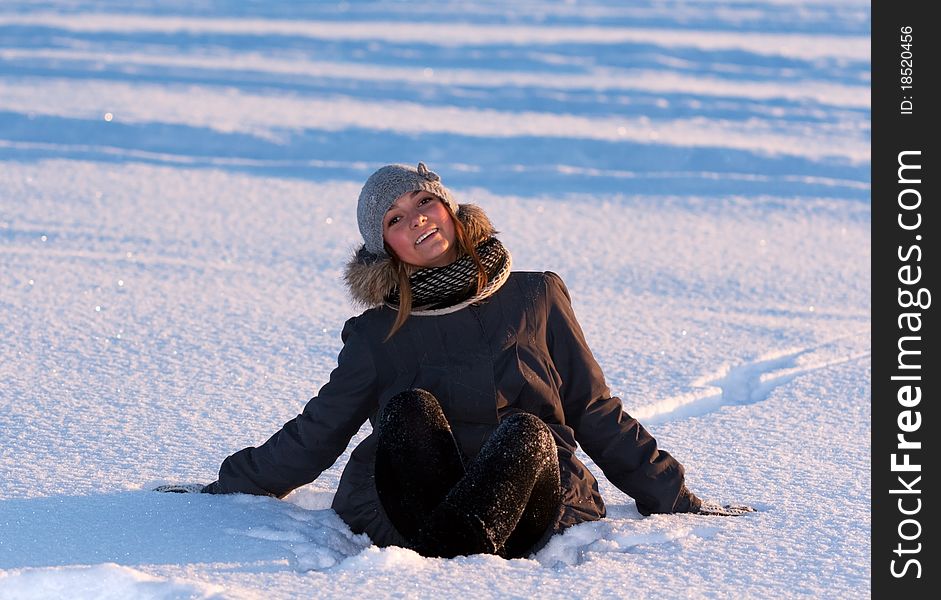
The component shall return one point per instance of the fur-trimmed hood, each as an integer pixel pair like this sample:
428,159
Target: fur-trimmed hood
370,277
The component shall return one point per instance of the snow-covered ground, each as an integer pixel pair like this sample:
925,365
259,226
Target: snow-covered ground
177,199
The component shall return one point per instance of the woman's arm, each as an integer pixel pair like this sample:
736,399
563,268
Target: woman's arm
311,442
617,442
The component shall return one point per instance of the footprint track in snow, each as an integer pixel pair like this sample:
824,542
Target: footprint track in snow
754,381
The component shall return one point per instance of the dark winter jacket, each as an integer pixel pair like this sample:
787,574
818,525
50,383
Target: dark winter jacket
519,350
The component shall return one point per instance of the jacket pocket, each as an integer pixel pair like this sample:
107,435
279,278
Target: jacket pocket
509,378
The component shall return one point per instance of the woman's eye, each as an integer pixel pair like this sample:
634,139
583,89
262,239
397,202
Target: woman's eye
393,221
424,200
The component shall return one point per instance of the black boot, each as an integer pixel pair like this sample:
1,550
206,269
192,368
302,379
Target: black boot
449,531
541,512
516,474
417,459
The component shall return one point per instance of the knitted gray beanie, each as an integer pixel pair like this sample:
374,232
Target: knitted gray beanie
382,189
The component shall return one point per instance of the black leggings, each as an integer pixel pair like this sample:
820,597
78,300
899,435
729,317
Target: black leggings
502,502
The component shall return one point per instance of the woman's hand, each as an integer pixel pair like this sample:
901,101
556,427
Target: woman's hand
181,488
712,508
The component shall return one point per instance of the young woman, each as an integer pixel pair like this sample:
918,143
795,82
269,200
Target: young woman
478,384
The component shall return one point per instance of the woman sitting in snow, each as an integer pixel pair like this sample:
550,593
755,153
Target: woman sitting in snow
478,384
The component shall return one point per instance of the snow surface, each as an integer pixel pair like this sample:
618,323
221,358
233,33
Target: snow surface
177,199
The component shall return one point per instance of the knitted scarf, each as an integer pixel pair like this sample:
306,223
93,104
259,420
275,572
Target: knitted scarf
440,290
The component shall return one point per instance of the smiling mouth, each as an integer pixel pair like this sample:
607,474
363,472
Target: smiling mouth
426,236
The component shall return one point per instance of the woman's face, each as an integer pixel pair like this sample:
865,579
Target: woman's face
419,229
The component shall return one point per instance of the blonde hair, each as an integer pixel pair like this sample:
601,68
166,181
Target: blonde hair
404,270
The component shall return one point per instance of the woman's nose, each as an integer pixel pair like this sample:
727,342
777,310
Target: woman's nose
418,219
